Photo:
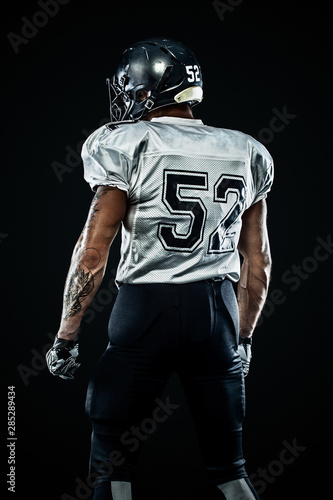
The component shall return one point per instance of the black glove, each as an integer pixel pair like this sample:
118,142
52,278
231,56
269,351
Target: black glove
61,358
244,350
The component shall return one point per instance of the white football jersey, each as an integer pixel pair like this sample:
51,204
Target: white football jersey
188,185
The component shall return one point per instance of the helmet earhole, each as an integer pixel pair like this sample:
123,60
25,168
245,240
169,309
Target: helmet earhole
141,95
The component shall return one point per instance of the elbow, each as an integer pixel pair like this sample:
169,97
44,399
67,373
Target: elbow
90,255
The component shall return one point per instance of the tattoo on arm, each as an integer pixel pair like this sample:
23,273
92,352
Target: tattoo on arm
87,266
81,281
81,284
94,204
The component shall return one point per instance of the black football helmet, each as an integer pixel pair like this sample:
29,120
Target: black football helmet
151,74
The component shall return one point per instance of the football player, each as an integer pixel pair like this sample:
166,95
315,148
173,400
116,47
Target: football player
190,200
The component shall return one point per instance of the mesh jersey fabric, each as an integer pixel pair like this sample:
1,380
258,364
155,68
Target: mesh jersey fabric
187,185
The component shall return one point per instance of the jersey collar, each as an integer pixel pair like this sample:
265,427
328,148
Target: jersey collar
177,119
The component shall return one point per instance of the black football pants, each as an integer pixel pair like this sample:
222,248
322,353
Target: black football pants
154,330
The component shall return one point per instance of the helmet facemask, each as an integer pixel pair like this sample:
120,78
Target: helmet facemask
128,106
120,101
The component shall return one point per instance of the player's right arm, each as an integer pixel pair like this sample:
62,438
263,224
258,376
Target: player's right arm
256,267
254,276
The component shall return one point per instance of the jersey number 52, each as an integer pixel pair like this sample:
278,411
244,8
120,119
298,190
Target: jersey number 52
219,240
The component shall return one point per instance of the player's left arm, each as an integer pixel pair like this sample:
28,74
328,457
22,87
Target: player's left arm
90,257
85,275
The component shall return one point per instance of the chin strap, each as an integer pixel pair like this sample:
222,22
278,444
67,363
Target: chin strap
151,100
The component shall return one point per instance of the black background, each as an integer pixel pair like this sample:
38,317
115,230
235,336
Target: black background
259,58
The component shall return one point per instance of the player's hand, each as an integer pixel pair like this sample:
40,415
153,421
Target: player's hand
61,358
244,350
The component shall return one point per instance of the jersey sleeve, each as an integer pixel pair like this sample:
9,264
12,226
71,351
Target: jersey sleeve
104,163
262,167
